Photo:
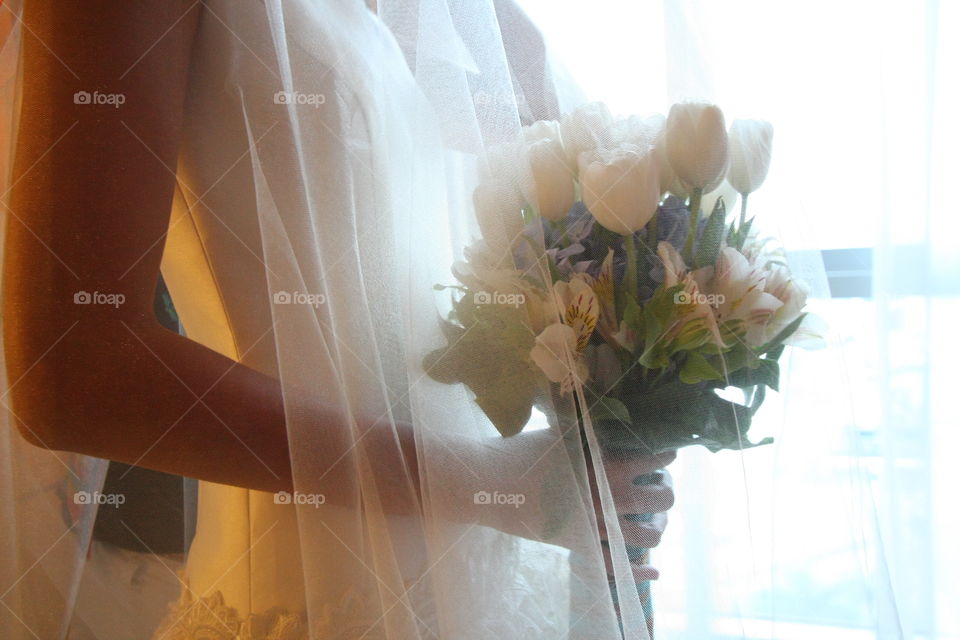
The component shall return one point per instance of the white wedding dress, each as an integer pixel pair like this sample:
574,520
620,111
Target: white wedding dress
326,179
244,566
244,576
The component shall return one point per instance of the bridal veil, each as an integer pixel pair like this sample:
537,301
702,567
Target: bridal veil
422,101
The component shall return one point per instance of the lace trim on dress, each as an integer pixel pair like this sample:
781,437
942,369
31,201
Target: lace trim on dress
210,618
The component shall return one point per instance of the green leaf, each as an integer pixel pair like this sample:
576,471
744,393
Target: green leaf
728,429
633,314
738,357
676,415
528,214
743,233
490,354
765,372
697,368
785,333
607,408
659,314
708,248
757,399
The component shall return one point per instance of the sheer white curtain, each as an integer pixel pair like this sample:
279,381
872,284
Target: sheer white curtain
845,527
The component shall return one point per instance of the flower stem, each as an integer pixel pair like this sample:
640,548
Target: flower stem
743,210
652,232
695,197
561,227
631,266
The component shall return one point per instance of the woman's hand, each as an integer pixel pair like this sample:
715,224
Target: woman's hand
642,492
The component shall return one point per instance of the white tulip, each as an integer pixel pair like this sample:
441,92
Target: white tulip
622,191
585,129
549,186
645,132
636,130
696,143
677,187
750,144
498,206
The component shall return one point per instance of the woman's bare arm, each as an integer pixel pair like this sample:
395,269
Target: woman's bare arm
91,198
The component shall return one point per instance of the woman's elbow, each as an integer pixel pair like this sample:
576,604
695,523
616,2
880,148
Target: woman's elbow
50,385
33,402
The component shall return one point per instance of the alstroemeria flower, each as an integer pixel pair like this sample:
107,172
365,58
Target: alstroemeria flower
698,322
555,352
743,306
603,287
793,295
558,352
811,334
578,304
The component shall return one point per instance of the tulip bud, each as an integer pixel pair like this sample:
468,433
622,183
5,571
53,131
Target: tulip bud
636,130
497,206
585,129
621,192
750,144
696,142
550,183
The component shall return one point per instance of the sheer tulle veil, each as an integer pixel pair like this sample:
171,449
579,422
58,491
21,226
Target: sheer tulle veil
424,91
430,104
47,521
422,99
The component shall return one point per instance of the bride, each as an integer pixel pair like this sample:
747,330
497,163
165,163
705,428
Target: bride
301,172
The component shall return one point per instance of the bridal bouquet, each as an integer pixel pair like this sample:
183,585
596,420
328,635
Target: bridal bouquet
598,275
